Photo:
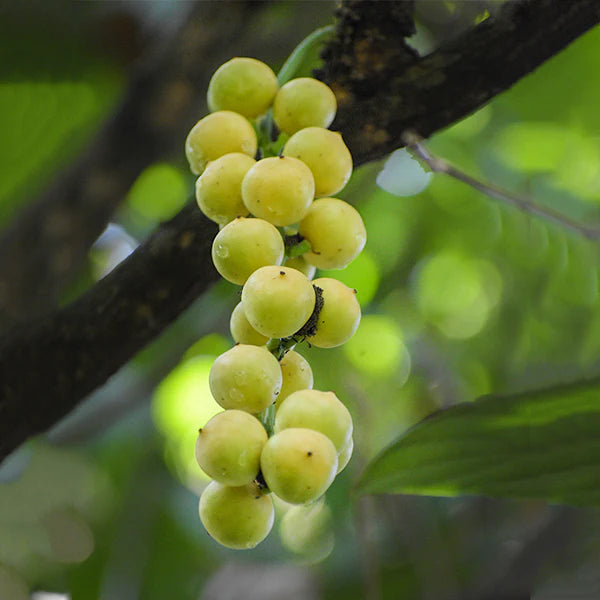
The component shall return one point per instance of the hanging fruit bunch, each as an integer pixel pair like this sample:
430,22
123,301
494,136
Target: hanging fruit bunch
268,171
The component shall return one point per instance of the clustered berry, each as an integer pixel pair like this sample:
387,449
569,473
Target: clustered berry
267,168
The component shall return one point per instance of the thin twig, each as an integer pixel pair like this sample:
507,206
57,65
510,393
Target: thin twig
415,144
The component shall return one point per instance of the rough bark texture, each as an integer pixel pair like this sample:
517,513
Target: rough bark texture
50,364
384,89
56,360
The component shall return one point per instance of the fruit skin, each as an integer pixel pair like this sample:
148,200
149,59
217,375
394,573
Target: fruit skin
299,464
278,189
296,375
321,411
340,315
345,455
241,330
325,154
245,245
277,301
336,233
244,85
308,531
218,134
245,378
236,517
299,263
219,188
228,447
304,102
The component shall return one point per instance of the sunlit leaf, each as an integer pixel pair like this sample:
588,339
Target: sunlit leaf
535,445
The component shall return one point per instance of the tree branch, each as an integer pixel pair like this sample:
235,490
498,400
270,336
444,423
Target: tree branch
438,165
383,89
48,365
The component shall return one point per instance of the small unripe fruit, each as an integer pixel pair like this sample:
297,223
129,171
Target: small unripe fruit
245,245
340,315
277,301
241,330
218,134
321,411
229,446
244,85
304,102
219,188
308,531
336,233
299,263
345,455
236,517
245,378
299,464
296,375
325,154
278,189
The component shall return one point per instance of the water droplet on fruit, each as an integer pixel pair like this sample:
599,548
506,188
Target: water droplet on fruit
222,251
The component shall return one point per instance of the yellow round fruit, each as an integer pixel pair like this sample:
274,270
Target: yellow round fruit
219,188
313,409
241,330
278,189
325,154
340,315
244,85
218,134
277,301
245,378
228,447
336,233
299,464
236,517
304,102
296,375
243,246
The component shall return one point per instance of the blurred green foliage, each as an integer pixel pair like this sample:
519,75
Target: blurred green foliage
461,296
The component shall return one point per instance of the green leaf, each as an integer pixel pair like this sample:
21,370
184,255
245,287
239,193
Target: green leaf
543,444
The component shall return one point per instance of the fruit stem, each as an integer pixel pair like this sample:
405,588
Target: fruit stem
294,60
279,347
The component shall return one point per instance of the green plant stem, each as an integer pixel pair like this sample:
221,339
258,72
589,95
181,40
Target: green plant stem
290,66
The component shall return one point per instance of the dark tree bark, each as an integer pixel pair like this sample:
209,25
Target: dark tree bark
48,365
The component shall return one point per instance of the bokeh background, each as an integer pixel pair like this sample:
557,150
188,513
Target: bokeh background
461,296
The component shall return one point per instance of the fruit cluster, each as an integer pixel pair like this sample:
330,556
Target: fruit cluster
268,167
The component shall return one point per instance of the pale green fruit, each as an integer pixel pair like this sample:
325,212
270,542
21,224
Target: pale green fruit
245,245
340,315
218,134
308,531
278,189
277,300
228,447
245,378
219,188
296,374
325,154
300,264
241,330
299,464
304,102
236,517
336,233
244,85
345,455
313,409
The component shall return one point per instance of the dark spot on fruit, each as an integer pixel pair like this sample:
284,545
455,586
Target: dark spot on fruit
309,453
282,272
